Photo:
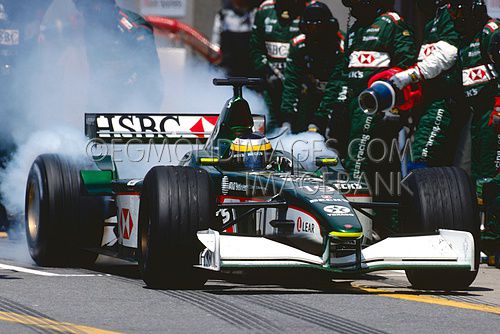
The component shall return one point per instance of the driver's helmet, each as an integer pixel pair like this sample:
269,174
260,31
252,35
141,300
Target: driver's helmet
251,152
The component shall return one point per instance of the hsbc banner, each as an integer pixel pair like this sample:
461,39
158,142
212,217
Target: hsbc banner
169,8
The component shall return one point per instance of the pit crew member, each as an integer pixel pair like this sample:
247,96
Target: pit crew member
379,39
315,58
437,130
231,32
122,56
480,81
276,23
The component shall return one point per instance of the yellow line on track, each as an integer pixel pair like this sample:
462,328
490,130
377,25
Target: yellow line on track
429,299
63,327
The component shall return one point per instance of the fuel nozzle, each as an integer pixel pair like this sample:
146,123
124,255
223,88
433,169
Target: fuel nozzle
382,96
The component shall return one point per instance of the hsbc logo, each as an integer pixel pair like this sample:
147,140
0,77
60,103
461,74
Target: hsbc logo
477,75
429,50
366,59
126,223
426,50
277,50
369,59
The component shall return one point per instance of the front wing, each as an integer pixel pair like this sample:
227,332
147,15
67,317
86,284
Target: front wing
448,249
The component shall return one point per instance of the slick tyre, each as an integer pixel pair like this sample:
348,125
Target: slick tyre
442,198
60,222
176,203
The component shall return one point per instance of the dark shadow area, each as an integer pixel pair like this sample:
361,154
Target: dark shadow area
9,277
125,270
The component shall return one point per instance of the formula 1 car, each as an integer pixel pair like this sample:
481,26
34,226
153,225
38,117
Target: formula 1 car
210,215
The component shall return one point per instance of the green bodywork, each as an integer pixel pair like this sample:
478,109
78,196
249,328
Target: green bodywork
99,181
307,191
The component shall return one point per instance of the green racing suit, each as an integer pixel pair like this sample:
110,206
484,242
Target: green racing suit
386,42
435,138
269,48
305,90
480,82
481,87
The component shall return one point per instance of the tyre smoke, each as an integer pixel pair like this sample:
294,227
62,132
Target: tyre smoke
51,102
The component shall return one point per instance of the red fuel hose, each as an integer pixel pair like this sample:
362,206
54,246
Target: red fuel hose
188,35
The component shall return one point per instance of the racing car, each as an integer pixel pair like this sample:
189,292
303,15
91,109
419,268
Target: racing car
221,211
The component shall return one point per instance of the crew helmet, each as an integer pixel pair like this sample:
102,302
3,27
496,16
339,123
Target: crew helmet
317,19
468,15
290,9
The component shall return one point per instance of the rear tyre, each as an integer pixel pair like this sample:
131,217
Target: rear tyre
176,203
59,220
443,198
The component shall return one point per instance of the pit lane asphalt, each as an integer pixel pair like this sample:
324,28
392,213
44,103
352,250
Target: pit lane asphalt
110,297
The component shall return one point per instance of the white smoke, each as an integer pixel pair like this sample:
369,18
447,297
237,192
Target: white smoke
47,114
56,98
63,140
305,147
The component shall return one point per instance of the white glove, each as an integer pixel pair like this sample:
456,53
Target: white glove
405,78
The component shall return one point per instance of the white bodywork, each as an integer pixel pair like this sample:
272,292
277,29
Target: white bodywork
448,249
128,219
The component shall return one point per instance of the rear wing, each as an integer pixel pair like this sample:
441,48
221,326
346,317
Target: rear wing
146,128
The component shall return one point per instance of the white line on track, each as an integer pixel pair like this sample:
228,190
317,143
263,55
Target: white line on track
45,273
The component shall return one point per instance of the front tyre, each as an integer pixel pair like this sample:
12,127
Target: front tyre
176,203
443,198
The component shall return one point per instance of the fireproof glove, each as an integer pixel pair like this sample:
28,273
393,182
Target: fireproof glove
405,78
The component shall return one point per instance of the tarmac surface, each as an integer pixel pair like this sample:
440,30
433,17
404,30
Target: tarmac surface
110,297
